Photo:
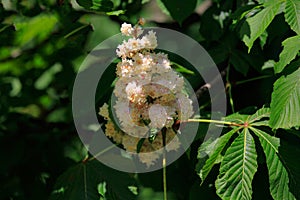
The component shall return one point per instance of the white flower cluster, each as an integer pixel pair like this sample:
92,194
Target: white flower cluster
149,96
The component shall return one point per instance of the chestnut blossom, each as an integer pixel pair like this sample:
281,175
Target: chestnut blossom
126,29
149,96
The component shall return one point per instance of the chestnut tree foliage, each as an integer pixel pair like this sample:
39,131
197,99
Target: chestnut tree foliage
256,46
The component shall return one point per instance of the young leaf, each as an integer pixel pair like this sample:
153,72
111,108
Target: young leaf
291,48
278,176
179,9
238,168
292,14
259,23
285,102
214,154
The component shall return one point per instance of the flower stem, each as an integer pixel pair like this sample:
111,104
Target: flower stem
165,176
164,163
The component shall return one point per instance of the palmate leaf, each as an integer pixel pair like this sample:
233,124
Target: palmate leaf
81,183
291,48
258,23
292,14
285,102
219,146
238,168
278,176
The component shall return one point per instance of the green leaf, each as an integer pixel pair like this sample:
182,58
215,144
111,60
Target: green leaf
31,31
278,176
291,48
285,102
238,61
219,53
292,14
263,39
75,150
116,12
238,168
180,10
260,114
214,154
258,23
241,12
289,152
181,69
47,77
163,7
81,183
237,118
96,5
102,189
268,65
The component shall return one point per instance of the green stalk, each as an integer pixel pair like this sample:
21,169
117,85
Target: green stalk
252,79
101,152
165,175
164,163
214,121
228,84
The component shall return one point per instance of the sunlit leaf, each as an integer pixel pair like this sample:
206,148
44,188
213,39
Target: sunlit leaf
181,69
291,48
268,65
31,31
46,78
292,14
238,168
214,154
285,103
278,176
260,114
163,7
116,13
258,23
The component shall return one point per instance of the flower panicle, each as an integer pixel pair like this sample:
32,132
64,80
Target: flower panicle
149,96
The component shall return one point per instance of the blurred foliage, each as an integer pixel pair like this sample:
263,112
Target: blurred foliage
42,44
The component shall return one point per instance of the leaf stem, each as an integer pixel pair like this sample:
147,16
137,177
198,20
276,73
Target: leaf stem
252,79
229,86
76,30
101,152
214,121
